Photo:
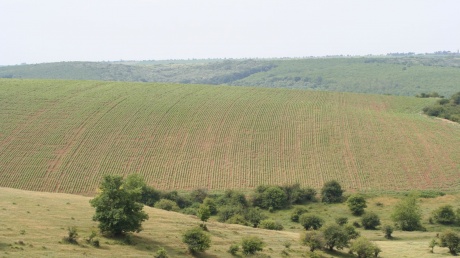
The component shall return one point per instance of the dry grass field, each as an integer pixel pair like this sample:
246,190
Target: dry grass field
63,136
33,224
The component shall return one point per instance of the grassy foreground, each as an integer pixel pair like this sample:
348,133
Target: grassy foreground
33,224
63,136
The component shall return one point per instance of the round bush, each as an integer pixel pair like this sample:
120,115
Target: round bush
270,224
196,239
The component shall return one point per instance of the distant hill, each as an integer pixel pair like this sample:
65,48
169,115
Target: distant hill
407,75
63,136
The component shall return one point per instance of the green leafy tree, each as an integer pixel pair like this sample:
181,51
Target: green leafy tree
117,205
196,240
204,214
211,205
364,248
255,216
356,203
299,195
370,220
313,239
451,240
310,221
444,215
331,192
251,245
270,197
407,214
351,231
335,236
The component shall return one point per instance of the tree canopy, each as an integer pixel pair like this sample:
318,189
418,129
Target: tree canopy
117,205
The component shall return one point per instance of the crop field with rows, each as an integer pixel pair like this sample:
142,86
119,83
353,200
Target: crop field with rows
63,136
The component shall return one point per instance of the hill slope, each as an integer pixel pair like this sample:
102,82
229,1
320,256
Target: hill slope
383,75
63,136
33,225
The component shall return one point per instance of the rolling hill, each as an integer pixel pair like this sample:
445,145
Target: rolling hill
407,75
34,223
63,136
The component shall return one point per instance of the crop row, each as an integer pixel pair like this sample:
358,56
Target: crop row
64,136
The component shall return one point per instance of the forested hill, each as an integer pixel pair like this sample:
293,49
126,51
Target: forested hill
408,75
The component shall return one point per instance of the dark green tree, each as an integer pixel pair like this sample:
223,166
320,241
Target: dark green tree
370,220
331,192
196,240
117,205
356,203
251,245
310,221
267,197
211,205
444,215
313,239
255,216
335,236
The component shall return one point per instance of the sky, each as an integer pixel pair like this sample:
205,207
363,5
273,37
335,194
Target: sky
109,30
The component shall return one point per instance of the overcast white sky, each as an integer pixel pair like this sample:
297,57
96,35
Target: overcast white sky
35,31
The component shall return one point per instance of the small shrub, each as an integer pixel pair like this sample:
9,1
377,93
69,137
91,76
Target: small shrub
166,204
370,220
287,244
364,248
433,243
296,213
72,235
356,203
238,219
451,240
196,239
341,221
161,253
351,231
95,242
271,224
444,215
387,231
251,245
356,224
233,249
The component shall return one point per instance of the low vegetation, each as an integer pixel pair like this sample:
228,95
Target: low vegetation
403,75
446,108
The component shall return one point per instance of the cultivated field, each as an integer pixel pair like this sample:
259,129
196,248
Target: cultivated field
63,136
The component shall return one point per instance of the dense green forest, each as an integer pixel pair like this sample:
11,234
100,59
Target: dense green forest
404,75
